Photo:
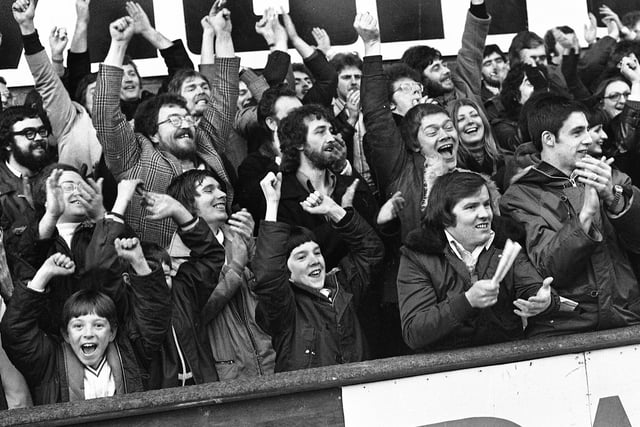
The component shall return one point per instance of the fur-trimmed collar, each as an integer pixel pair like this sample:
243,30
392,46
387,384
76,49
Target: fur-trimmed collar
431,241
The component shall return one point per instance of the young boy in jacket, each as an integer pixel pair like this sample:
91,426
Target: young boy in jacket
309,312
239,346
98,355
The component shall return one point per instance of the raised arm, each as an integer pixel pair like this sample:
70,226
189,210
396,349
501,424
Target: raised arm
388,155
78,59
121,150
29,348
218,118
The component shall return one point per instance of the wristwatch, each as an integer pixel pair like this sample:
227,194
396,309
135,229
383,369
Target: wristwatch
617,195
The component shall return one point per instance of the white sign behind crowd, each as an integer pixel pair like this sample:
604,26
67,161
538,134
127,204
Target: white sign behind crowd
170,19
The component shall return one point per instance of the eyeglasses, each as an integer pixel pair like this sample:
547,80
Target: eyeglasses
615,96
69,186
407,87
177,120
30,133
433,130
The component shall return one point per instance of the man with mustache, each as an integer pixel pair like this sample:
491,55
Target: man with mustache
494,69
465,81
24,151
168,138
310,147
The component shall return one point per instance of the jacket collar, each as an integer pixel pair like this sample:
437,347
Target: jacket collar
433,242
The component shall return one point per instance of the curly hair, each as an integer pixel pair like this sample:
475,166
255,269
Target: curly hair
343,60
146,118
267,104
292,133
399,71
9,117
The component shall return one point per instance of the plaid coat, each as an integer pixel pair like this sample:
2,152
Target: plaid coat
130,155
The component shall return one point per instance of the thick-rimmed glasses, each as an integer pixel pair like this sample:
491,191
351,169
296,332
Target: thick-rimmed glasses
30,133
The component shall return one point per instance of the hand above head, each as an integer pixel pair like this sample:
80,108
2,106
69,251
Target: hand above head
270,28
130,250
82,10
483,293
629,68
221,20
391,208
122,29
23,12
323,41
56,265
591,29
537,303
140,20
58,41
367,28
289,26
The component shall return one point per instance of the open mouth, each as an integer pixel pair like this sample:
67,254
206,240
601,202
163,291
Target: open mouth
221,206
184,134
88,349
471,129
446,149
483,226
315,273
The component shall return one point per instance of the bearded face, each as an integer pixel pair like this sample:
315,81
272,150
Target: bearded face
30,153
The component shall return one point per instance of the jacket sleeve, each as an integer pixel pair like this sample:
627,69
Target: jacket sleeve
324,88
151,312
176,58
218,118
594,61
626,127
229,283
556,251
383,142
570,72
276,301
104,264
78,66
28,347
256,84
627,224
424,319
365,253
120,146
197,277
468,72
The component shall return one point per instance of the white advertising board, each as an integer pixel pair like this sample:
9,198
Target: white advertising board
590,389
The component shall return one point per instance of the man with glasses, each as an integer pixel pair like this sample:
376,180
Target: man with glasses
443,84
166,141
24,151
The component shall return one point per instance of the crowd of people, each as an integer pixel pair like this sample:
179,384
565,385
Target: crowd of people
241,223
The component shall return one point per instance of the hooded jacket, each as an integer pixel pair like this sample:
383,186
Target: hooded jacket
432,281
592,269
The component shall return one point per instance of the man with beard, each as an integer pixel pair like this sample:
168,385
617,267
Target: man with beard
167,141
24,152
309,148
494,70
465,81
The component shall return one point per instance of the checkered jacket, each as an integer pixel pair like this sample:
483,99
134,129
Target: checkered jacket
130,155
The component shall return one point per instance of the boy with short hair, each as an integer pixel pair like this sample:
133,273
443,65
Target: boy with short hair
309,312
98,355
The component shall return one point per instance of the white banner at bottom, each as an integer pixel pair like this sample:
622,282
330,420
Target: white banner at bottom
590,389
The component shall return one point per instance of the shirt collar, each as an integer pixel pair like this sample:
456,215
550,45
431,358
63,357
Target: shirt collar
329,177
459,250
13,170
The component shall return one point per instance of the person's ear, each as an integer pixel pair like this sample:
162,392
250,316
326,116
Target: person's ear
271,124
392,106
114,331
155,138
548,138
64,334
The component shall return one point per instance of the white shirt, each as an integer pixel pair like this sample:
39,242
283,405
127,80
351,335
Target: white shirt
99,382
